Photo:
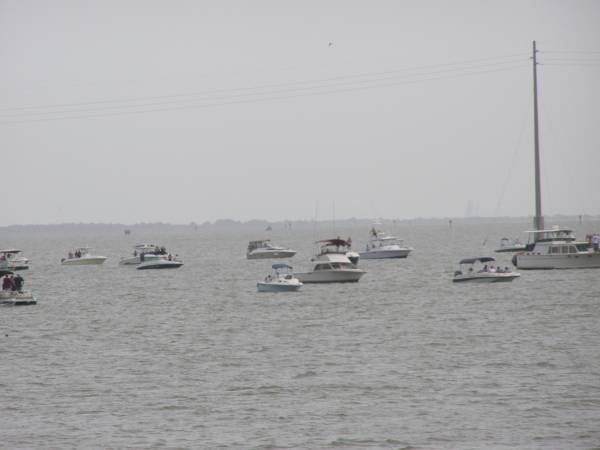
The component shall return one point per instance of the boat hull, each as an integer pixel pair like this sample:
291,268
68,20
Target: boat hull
271,254
95,260
14,266
531,261
135,260
278,287
486,278
14,298
510,249
385,254
161,264
331,276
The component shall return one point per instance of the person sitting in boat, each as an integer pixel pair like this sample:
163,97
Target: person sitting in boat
70,255
77,254
170,258
19,281
485,268
506,269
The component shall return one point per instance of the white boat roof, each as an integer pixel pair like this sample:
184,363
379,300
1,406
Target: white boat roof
10,250
331,257
145,245
552,230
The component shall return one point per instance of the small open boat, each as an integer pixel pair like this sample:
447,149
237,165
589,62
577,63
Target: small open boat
281,280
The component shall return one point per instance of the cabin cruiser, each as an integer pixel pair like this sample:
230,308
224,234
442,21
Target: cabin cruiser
332,265
263,249
281,280
12,293
11,260
556,248
144,249
507,246
477,273
340,246
151,261
383,246
81,256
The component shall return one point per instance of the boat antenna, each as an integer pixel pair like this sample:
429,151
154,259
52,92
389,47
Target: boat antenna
315,220
333,215
538,222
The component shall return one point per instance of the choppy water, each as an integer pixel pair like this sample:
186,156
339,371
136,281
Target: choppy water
117,358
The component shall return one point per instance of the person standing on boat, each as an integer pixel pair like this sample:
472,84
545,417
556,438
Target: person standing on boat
19,281
596,241
7,283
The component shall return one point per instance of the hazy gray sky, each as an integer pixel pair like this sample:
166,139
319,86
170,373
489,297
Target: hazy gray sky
179,111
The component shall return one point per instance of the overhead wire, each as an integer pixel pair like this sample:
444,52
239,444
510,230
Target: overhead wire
269,95
272,85
210,97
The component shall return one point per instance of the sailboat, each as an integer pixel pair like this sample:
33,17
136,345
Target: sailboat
554,248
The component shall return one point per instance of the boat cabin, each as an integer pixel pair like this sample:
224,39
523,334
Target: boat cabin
336,245
8,254
254,245
554,234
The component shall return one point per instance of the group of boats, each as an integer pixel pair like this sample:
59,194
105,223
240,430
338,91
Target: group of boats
334,261
145,256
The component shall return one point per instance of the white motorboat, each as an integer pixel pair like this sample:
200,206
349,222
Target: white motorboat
12,293
143,249
150,261
81,256
383,246
11,260
479,271
507,246
556,248
332,265
263,249
281,280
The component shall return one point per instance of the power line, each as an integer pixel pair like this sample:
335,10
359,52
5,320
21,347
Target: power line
267,86
252,94
571,51
266,98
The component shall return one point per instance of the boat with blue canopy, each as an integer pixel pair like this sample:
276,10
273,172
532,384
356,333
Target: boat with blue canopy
282,279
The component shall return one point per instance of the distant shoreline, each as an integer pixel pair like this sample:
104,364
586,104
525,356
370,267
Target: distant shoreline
257,224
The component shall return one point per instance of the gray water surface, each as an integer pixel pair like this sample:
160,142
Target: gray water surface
117,358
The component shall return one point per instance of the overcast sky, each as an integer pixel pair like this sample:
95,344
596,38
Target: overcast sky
179,111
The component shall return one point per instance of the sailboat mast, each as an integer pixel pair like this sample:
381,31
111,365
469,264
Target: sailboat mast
538,221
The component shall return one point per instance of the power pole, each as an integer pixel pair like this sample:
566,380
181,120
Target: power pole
538,222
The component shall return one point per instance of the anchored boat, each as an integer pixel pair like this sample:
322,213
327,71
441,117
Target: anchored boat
281,280
555,248
477,270
81,256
